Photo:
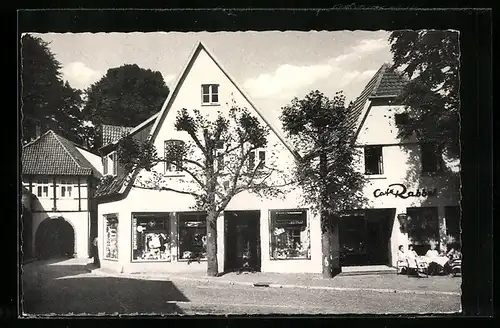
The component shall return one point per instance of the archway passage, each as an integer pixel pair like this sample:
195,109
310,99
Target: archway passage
55,238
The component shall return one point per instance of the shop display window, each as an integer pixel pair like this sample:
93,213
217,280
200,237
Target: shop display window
290,237
192,236
111,235
151,237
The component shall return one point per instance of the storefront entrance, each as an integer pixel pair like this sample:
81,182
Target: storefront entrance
365,238
242,241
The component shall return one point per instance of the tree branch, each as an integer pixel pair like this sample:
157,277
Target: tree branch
167,189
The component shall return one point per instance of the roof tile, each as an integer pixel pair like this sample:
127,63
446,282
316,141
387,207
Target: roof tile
112,133
52,154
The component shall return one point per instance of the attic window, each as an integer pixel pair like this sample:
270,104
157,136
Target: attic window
209,94
402,118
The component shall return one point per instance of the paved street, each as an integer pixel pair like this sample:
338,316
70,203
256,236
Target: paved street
67,287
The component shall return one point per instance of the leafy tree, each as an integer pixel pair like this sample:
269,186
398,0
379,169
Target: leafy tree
327,173
125,96
47,101
430,59
216,160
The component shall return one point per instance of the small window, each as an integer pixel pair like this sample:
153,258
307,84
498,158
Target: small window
219,155
42,188
174,153
401,119
431,158
66,189
289,235
257,159
105,165
210,94
114,159
192,236
373,160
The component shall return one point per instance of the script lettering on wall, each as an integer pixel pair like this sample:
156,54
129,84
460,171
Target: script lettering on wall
399,190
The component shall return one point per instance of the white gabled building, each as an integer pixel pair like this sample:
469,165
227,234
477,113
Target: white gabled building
147,230
404,177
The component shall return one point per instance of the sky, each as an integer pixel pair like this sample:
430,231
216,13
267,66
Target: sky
273,67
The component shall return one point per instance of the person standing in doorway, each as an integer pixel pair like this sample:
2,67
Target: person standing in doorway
95,253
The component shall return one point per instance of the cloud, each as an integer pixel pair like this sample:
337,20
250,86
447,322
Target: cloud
168,78
370,45
287,79
80,75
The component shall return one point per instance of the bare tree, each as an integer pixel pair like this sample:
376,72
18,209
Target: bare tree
219,160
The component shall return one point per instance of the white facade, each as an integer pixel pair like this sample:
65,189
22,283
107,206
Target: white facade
203,69
403,174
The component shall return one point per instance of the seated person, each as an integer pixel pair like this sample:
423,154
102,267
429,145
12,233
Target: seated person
435,260
402,262
412,257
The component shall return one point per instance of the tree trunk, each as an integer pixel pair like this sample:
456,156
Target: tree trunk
212,264
330,246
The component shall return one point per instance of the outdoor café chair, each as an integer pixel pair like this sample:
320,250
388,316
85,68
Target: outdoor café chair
456,267
400,264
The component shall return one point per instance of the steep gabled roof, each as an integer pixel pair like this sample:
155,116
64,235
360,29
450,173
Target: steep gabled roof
160,117
52,154
386,83
112,133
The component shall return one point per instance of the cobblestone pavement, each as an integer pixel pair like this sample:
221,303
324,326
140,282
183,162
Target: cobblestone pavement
67,287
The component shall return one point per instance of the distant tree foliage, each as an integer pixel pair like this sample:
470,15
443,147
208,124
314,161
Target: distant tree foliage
125,96
430,59
327,174
46,100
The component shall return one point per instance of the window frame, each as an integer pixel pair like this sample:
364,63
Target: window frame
437,158
380,160
108,217
64,183
257,165
210,94
40,184
167,168
434,210
167,222
179,219
105,163
272,226
404,119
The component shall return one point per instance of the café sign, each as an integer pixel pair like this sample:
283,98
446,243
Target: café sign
399,190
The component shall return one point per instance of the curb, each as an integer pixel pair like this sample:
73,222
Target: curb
272,285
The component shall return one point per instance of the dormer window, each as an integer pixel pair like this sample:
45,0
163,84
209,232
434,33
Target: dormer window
402,119
110,164
209,94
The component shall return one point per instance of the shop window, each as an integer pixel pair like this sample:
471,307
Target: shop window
209,94
423,225
192,236
151,237
431,158
373,160
289,235
452,215
111,237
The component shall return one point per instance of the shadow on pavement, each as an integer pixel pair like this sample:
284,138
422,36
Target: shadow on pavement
50,288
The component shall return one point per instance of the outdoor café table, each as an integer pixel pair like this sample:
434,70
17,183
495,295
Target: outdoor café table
441,260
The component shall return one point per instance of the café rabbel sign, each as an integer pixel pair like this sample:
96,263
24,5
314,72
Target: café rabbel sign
399,190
